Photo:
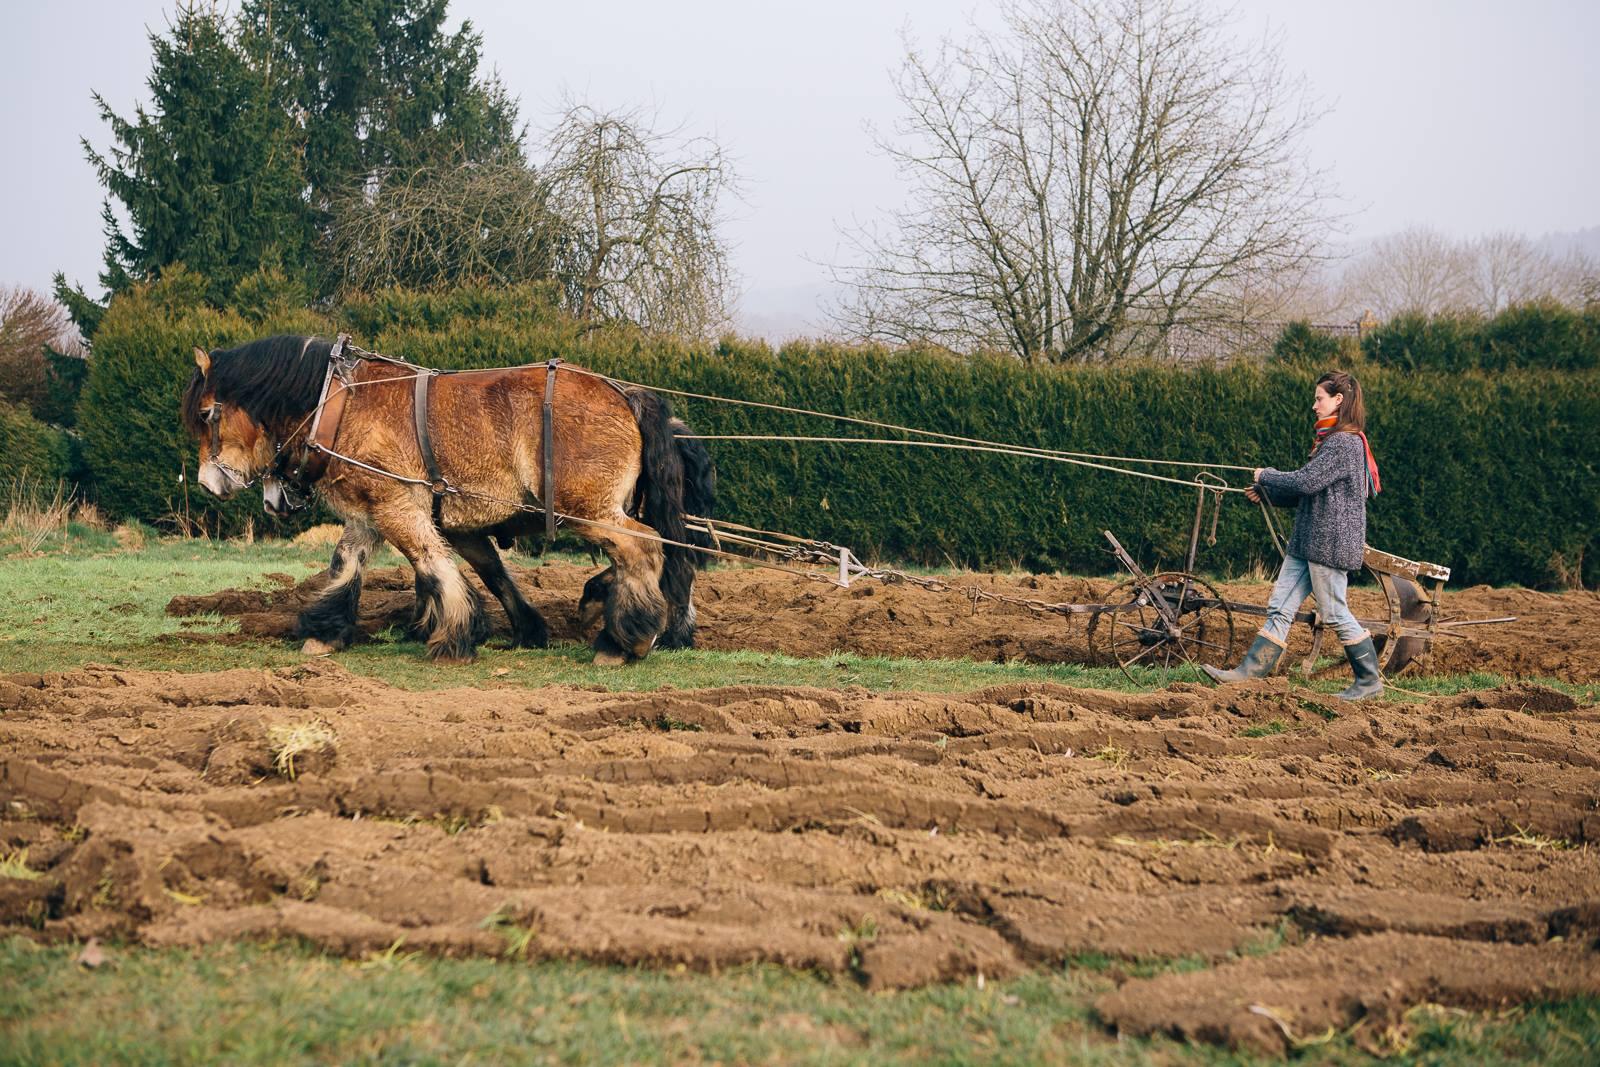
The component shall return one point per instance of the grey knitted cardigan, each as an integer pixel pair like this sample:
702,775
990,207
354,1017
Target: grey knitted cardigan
1330,495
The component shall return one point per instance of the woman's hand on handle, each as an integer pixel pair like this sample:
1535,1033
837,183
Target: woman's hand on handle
1253,494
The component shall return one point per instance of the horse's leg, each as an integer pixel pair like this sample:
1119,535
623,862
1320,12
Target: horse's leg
329,623
527,625
596,591
679,632
680,612
635,611
450,611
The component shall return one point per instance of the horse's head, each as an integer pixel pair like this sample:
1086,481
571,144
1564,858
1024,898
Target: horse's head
235,450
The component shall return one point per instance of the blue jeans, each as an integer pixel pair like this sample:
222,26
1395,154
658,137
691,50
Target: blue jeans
1296,579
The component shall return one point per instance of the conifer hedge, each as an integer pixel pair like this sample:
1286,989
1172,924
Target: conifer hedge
42,452
1496,474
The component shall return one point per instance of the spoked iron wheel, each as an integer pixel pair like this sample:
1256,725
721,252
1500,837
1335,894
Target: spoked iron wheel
1153,645
1408,605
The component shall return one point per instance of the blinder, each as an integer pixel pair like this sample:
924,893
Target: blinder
212,416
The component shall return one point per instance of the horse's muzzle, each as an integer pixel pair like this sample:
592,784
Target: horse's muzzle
218,481
275,498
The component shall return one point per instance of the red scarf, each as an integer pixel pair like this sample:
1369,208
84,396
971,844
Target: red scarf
1325,427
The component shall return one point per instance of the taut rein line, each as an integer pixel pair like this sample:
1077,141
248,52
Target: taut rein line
326,417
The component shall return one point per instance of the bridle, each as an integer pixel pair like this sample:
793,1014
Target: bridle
296,470
293,469
212,416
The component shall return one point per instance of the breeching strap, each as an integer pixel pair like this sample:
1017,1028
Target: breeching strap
547,447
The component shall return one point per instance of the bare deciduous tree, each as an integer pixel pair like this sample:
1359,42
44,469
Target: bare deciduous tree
1509,268
1422,270
1418,269
639,214
1084,180
29,324
442,224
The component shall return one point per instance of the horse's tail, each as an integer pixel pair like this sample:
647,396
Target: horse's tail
699,485
662,471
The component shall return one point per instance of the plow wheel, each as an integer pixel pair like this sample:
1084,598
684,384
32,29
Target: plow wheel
1409,606
1154,628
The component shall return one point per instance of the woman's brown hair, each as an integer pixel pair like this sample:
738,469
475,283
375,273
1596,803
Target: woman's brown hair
1353,411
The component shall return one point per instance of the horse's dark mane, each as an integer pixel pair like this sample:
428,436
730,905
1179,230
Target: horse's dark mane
273,379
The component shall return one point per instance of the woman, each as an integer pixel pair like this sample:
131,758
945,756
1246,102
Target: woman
1330,532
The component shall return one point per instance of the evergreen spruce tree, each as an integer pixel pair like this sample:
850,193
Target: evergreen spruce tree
380,88
208,176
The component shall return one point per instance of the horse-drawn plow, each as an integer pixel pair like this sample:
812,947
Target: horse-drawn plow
1152,623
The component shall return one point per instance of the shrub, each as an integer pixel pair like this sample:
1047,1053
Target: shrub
1300,344
44,452
1412,341
141,462
1539,335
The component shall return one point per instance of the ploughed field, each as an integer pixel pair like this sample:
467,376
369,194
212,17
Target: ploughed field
1555,635
1318,868
1334,868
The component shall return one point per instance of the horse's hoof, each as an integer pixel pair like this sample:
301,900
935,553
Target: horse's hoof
609,659
315,647
453,661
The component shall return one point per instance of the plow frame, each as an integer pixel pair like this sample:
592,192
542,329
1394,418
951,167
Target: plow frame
1177,618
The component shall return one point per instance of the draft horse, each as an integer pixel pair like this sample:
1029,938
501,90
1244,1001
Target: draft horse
455,460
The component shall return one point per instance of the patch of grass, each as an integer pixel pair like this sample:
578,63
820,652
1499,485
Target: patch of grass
15,865
518,937
34,513
1135,966
289,1004
931,897
1266,729
1319,709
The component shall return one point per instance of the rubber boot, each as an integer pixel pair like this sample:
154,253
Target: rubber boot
1257,663
1364,663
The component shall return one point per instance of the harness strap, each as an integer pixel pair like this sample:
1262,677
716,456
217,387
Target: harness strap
419,407
547,449
330,410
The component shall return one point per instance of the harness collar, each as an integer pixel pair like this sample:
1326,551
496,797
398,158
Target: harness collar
312,458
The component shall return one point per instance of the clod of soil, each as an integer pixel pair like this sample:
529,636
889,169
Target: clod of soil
1555,635
1336,873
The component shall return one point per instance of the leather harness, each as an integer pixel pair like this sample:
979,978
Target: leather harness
330,412
336,389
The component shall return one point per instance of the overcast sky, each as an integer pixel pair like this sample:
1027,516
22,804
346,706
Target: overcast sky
1467,116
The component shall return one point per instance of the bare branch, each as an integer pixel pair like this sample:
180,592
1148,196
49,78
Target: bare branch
640,236
1096,174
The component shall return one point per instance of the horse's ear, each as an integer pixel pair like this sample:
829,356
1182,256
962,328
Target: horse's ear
202,359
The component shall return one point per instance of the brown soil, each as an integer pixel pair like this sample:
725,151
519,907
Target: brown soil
1337,873
1555,635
